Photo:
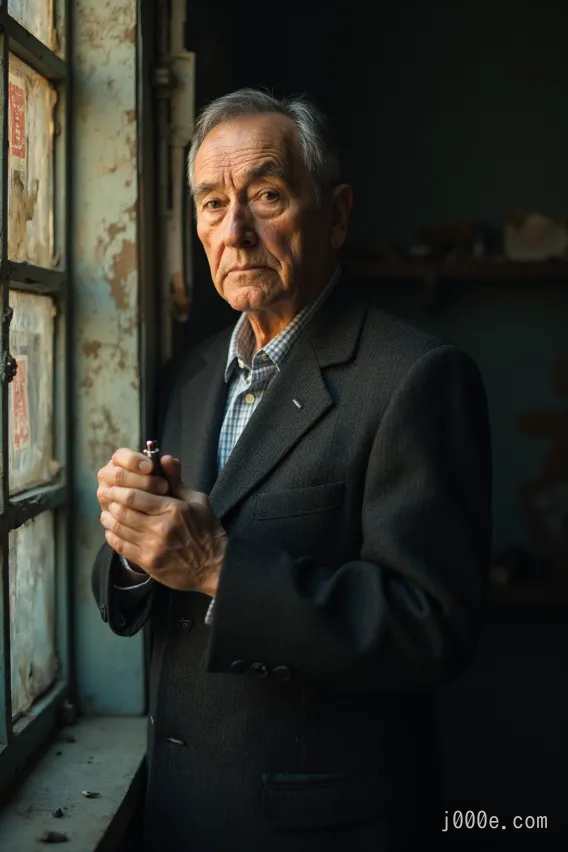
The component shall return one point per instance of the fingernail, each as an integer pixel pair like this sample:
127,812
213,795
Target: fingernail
163,486
145,466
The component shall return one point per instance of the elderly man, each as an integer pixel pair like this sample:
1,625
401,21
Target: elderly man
313,557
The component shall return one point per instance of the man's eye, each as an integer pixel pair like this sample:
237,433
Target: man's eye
269,195
212,204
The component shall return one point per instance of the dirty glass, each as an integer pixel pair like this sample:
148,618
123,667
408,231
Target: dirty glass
30,166
37,17
32,610
31,391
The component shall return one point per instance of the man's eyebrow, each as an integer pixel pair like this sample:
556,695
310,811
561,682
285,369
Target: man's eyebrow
267,169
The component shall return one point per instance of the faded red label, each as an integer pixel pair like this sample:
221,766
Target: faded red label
17,121
20,407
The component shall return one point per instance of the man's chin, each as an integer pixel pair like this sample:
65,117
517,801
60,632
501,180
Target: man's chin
256,295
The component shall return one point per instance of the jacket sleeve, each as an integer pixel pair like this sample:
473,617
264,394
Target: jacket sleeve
124,610
404,614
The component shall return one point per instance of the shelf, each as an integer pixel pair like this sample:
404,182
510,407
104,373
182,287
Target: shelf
455,270
529,595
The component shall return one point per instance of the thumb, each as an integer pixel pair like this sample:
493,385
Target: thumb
171,469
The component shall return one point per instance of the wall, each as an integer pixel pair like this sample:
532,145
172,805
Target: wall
106,382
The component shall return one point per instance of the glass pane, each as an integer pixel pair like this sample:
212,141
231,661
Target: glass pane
31,391
32,610
30,166
37,17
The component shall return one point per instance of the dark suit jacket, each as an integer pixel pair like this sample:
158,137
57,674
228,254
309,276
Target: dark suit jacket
359,535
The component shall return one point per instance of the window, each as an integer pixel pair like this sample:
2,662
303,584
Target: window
34,383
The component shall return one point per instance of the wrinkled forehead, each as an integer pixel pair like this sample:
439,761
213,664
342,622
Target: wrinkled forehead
250,145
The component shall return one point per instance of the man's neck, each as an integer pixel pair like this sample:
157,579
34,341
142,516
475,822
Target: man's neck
266,325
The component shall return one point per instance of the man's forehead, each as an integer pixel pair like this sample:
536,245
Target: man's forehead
263,144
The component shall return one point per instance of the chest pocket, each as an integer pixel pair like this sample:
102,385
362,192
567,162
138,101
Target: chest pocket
300,501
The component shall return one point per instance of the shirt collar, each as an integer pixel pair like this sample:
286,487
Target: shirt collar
242,343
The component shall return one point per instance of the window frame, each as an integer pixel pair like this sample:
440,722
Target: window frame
21,739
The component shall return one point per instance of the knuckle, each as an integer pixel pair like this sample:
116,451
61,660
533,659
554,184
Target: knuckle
129,497
118,512
119,476
164,530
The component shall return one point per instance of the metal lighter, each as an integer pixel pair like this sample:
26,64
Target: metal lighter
153,452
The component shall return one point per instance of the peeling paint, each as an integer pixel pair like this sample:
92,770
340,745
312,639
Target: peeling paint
123,264
105,258
92,348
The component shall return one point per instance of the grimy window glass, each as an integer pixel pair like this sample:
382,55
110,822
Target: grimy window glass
34,377
37,17
30,165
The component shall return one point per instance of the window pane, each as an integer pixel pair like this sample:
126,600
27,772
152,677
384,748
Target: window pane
32,610
37,17
30,166
31,391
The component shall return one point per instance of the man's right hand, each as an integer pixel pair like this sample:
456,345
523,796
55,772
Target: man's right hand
129,469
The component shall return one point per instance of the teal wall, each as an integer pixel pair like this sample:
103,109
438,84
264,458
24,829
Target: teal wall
461,115
460,112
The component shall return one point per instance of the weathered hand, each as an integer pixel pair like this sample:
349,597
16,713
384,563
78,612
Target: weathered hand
176,539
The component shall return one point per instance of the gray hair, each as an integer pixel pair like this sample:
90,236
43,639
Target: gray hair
320,158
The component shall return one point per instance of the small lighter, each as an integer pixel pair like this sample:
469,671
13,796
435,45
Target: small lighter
153,452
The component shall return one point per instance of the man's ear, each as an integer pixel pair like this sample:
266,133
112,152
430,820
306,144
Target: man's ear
341,203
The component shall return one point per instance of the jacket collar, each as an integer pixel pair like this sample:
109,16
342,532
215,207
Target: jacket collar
331,337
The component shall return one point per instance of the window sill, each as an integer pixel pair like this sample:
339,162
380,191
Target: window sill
106,757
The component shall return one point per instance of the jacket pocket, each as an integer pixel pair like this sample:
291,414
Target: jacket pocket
318,800
299,501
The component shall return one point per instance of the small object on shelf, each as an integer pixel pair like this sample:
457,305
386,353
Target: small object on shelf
513,566
535,236
457,240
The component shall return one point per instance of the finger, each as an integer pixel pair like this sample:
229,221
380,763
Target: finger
142,482
141,501
125,548
136,521
171,468
119,529
132,460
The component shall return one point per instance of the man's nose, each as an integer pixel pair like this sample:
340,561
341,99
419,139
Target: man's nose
239,228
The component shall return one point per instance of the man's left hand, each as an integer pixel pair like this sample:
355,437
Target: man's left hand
176,539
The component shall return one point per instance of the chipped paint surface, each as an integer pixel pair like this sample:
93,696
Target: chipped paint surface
107,324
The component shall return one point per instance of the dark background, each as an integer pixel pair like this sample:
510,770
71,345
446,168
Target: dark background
446,112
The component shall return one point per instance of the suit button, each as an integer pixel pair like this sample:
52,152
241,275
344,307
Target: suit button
184,624
282,673
258,670
239,666
103,612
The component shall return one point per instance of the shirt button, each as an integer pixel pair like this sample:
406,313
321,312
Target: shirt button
258,670
264,356
249,398
241,364
282,673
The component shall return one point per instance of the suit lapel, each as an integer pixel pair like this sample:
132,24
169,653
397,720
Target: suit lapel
278,424
203,404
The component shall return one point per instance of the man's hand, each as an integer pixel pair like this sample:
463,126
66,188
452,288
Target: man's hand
176,539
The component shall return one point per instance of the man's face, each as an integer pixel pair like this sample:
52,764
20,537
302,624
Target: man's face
267,242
